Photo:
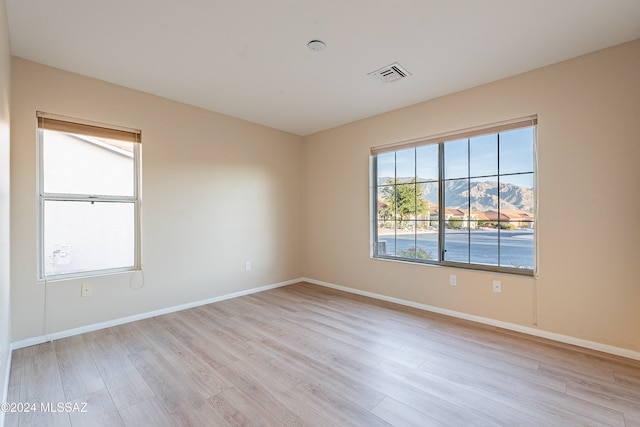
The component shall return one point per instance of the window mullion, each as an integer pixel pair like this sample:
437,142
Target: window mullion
374,200
395,204
87,198
469,200
41,198
441,242
415,203
499,213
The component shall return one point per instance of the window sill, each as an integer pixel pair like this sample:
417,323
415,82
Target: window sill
459,266
88,275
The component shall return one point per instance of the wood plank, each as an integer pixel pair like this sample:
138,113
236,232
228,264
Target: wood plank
206,342
523,394
125,384
468,398
130,338
41,383
613,396
200,375
100,410
238,410
166,381
398,414
311,369
12,419
332,404
78,370
256,386
438,408
148,412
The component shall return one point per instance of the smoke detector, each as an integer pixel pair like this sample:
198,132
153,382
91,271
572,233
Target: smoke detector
390,73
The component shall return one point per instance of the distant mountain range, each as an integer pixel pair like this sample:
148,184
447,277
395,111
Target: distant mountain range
484,195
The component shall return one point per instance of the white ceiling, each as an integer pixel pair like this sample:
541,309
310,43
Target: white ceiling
249,58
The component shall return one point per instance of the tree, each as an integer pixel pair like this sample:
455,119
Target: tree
417,253
455,222
404,200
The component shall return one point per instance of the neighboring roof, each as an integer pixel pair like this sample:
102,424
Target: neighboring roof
119,147
509,215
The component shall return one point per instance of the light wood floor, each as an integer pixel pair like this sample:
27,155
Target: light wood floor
307,355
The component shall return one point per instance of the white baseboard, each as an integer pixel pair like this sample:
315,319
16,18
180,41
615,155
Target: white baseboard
115,322
605,348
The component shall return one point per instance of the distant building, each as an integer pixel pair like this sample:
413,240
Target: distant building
516,218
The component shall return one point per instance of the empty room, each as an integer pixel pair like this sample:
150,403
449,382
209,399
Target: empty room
319,213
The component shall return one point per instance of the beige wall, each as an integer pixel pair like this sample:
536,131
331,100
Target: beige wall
589,240
5,79
217,191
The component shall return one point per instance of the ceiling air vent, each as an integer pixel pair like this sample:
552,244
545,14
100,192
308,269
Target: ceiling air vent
390,73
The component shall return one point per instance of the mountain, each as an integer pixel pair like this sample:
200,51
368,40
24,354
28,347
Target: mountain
484,195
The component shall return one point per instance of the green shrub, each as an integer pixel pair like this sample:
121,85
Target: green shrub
416,253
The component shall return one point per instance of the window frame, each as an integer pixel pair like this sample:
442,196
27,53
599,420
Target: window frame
441,140
101,130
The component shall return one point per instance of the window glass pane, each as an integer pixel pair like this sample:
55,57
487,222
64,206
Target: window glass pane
484,194
84,236
483,158
517,220
405,239
386,243
516,245
456,241
386,168
517,192
456,159
428,201
386,205
484,244
406,165
78,164
405,204
516,151
427,240
456,196
456,220
427,231
427,163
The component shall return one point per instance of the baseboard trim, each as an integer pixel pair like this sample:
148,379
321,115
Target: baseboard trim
592,345
115,322
5,388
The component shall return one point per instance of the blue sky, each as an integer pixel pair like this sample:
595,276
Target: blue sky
516,153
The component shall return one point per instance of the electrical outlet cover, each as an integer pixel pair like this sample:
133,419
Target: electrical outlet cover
497,286
85,290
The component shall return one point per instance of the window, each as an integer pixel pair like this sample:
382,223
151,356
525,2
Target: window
89,198
465,199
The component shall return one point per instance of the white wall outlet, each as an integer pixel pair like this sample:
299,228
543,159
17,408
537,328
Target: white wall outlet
453,280
85,290
497,286
247,265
